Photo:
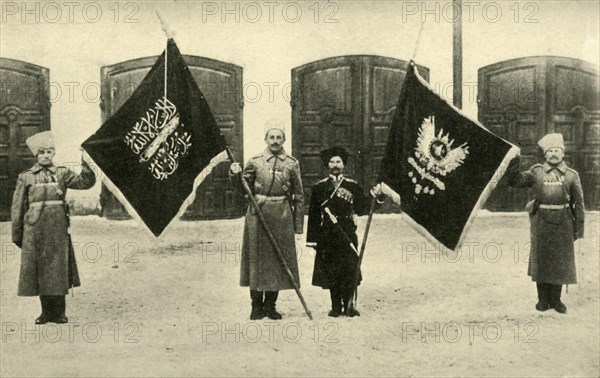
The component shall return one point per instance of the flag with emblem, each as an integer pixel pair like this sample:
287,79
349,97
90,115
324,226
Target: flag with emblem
439,164
159,146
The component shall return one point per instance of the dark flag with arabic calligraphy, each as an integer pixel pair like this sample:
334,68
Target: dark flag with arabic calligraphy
439,163
160,145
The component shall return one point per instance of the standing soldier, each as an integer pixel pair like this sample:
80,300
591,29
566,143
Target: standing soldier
556,215
274,178
335,261
40,227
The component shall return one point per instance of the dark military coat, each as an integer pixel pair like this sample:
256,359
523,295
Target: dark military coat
335,262
277,185
556,216
40,228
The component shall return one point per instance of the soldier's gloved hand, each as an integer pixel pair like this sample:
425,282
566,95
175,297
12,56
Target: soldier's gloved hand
235,168
376,190
514,164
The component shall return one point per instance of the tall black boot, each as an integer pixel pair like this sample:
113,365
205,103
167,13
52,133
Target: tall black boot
58,308
336,302
543,291
347,294
45,316
560,307
270,299
257,305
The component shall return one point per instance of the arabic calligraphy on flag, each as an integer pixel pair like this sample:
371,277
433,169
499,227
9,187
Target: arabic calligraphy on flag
160,139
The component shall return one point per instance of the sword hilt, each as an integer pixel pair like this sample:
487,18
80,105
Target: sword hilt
331,216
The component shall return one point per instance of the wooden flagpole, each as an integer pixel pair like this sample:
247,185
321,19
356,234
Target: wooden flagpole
169,33
457,79
363,246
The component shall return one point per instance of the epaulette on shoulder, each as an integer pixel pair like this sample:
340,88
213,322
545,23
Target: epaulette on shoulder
350,180
25,173
538,165
293,158
572,170
322,181
257,156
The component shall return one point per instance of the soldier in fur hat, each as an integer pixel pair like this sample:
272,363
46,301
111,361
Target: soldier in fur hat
40,227
335,261
556,214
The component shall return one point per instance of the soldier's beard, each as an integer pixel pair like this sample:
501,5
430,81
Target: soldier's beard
335,171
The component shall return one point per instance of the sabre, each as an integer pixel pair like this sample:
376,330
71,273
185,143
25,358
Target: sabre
340,230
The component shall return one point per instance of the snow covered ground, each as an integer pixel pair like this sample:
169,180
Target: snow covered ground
174,308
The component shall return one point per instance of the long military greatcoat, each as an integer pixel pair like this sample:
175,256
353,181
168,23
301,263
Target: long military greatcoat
556,218
335,262
40,228
277,185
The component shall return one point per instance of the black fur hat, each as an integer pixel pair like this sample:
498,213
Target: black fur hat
327,154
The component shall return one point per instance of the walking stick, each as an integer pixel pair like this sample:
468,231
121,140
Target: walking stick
263,221
362,253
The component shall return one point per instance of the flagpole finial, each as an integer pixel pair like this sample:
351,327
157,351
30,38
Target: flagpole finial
169,33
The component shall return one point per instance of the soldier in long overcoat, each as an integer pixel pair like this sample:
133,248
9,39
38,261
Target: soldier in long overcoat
40,227
556,216
274,178
335,261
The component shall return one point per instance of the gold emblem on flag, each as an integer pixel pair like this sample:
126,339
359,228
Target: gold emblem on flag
159,139
434,158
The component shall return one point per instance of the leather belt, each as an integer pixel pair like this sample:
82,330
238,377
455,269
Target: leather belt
47,203
270,198
554,207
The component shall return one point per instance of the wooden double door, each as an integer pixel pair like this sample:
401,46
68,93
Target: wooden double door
346,101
